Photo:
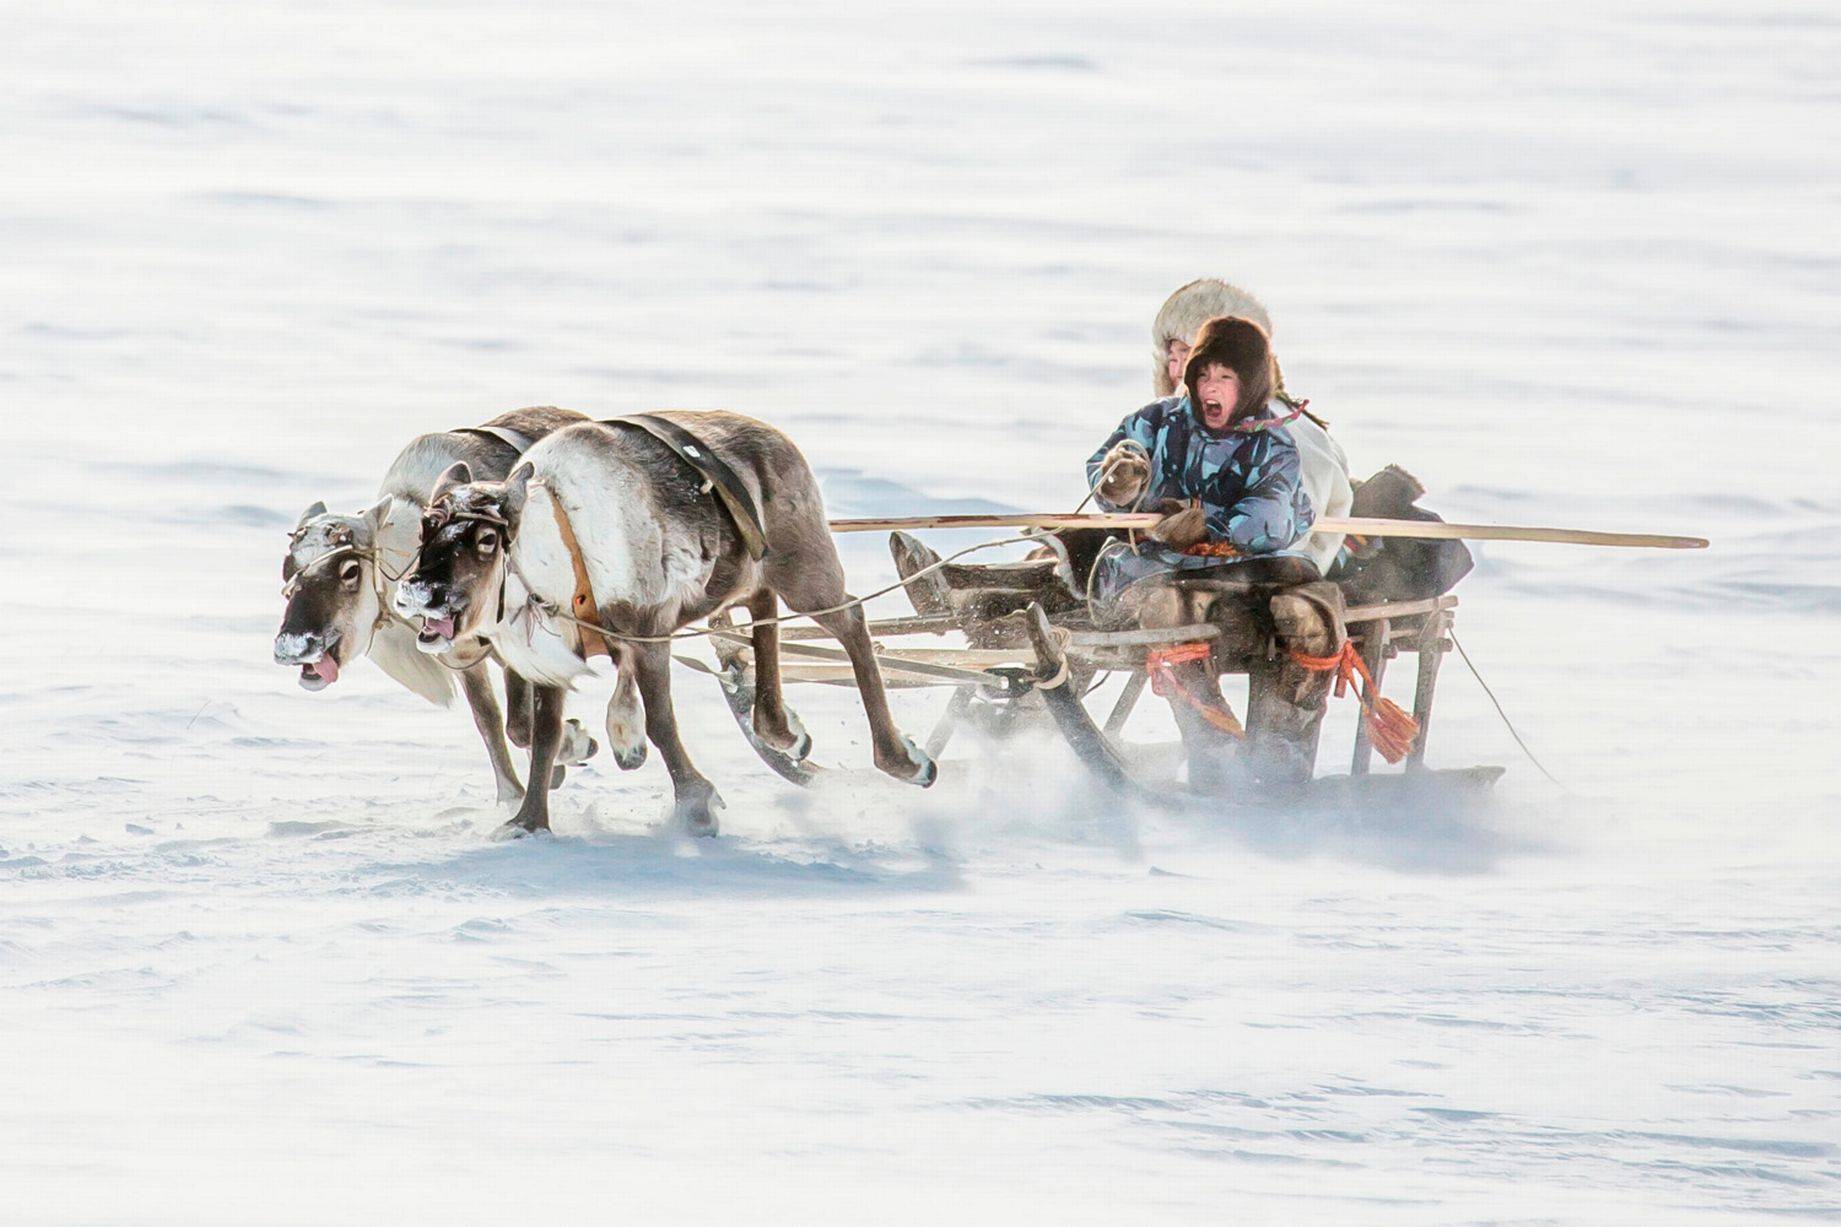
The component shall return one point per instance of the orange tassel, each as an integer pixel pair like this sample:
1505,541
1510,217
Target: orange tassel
1161,664
1390,729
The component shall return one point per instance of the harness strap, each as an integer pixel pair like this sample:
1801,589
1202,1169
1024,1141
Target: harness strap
582,603
717,476
515,440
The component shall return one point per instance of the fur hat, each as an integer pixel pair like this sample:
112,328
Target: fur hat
1241,345
1184,313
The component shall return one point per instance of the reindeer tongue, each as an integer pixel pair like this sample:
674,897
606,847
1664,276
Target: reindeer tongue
325,668
443,627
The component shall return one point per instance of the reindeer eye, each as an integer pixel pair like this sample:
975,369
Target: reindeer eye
487,541
349,572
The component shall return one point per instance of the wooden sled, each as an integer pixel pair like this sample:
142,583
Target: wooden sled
1031,668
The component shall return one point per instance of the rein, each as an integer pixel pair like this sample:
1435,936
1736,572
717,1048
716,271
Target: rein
539,607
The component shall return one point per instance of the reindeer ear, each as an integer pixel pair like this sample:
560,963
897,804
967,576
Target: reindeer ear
458,474
517,489
318,509
377,515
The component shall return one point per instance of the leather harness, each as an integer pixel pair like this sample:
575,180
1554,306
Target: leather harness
713,469
717,477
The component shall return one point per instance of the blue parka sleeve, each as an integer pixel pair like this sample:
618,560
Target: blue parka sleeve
1265,517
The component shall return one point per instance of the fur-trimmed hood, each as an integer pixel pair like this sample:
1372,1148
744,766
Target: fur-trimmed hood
1184,313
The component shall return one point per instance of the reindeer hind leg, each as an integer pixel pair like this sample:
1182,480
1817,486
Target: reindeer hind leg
774,724
814,581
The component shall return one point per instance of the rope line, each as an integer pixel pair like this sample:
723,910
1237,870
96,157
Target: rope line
1506,722
550,611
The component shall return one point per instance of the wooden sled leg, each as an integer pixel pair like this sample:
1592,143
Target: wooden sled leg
1128,699
1097,752
1431,655
1374,655
949,720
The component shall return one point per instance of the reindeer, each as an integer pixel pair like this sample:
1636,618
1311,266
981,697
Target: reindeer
340,572
609,510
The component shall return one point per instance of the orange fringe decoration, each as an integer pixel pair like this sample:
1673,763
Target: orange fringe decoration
1212,549
1161,664
1390,729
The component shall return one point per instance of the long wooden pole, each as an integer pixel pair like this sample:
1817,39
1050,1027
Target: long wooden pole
1422,529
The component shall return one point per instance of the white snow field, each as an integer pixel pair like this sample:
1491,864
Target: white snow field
1571,263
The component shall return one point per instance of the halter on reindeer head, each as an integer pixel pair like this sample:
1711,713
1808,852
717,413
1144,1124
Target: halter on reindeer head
456,585
333,581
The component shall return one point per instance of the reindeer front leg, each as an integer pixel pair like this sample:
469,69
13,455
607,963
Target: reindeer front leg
546,735
626,729
696,801
577,746
476,684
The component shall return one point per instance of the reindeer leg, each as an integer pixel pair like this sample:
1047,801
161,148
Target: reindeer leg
546,735
626,727
576,747
810,577
773,723
895,752
518,710
476,684
696,800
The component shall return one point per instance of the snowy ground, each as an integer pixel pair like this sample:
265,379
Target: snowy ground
1572,263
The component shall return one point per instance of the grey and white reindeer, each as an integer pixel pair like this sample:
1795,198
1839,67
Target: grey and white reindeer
499,560
339,577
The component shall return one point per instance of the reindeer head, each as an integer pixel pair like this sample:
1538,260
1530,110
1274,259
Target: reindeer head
459,572
331,584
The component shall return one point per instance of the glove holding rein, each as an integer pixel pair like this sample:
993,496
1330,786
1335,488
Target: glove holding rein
1182,528
1124,473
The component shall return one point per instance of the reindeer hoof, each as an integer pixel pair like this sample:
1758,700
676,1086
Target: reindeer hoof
916,768
510,794
697,814
577,746
799,747
798,742
625,741
802,740
518,829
